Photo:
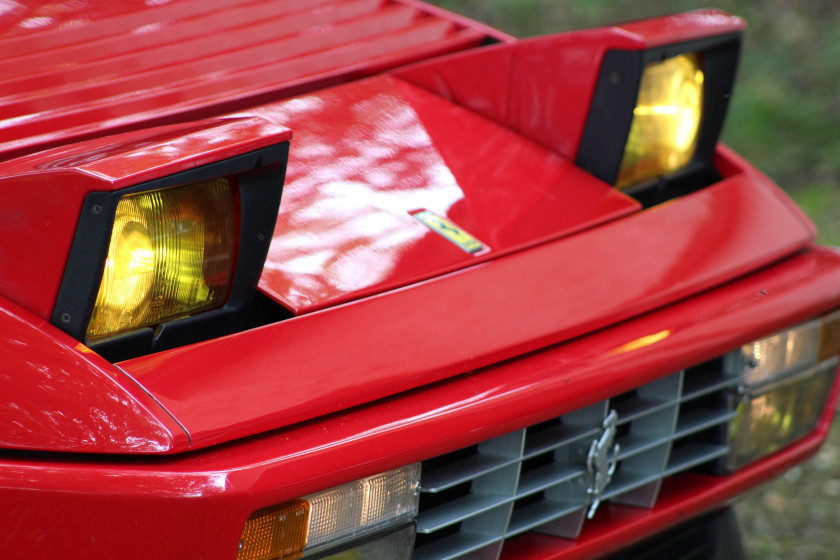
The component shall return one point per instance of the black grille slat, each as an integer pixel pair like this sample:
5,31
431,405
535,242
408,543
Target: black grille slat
454,546
556,436
701,419
539,513
692,454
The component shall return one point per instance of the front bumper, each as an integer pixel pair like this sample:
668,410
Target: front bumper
194,505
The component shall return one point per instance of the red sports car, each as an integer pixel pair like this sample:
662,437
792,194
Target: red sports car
365,279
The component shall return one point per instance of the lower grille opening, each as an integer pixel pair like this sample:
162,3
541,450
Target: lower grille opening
542,478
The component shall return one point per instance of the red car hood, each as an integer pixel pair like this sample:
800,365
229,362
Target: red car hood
386,305
76,70
370,158
383,302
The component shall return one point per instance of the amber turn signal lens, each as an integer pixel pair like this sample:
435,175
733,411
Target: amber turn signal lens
666,120
275,533
171,254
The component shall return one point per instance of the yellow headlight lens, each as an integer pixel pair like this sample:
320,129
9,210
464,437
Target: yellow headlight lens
666,120
171,254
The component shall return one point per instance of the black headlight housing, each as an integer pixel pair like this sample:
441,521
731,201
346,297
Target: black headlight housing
615,104
161,226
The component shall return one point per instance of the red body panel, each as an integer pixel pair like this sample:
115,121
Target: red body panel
472,318
369,154
195,504
403,346
64,77
61,395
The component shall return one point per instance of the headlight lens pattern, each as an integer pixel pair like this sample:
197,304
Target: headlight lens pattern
171,254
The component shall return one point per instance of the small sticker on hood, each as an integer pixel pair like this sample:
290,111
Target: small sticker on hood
450,231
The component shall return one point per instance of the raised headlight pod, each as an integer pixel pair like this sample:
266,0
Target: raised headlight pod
786,378
173,260
367,518
656,116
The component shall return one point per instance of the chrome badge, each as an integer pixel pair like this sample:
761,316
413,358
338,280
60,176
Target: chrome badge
600,466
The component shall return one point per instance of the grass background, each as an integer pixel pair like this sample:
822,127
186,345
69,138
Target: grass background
785,119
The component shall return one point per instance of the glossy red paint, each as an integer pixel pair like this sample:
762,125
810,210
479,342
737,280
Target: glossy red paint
510,83
369,154
494,34
684,27
60,396
298,369
69,71
195,504
437,349
44,192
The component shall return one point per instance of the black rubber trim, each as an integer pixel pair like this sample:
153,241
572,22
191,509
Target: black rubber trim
611,114
611,110
259,177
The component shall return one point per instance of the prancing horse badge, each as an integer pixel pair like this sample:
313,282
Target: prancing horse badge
599,465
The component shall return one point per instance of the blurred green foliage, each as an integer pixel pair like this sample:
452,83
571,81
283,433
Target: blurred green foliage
785,113
795,517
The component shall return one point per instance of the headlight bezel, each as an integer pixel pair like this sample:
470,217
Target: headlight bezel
608,123
257,177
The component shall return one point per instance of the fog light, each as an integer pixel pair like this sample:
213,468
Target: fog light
278,532
337,517
786,379
830,336
768,359
770,420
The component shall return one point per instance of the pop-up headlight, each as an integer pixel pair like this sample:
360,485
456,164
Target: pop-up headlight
666,120
656,116
173,260
786,378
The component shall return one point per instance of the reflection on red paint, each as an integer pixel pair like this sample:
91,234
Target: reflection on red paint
368,154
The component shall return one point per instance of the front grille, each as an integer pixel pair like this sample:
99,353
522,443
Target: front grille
536,479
